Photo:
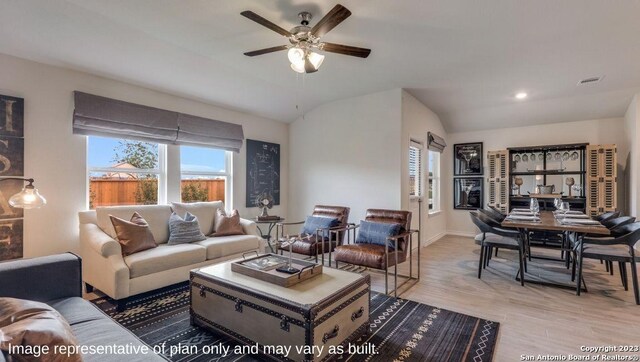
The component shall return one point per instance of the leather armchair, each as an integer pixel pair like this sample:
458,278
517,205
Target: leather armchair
379,256
317,244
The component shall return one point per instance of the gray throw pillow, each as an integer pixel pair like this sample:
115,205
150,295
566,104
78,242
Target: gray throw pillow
182,231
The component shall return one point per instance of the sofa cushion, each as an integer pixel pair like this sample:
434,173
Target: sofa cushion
76,310
184,230
204,211
134,236
157,216
164,257
221,246
227,225
34,324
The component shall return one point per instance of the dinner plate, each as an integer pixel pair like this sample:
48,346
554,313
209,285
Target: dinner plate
580,222
523,217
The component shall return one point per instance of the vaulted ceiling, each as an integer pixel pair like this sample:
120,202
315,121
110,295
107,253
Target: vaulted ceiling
465,59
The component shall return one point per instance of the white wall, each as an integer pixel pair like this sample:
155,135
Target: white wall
347,153
57,159
417,121
601,131
631,129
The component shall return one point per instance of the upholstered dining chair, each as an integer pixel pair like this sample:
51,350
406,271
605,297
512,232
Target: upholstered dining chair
496,212
622,249
319,240
493,237
607,216
396,250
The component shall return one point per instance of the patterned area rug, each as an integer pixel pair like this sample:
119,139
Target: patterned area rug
401,330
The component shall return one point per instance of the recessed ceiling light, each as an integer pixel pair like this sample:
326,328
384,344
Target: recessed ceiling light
521,95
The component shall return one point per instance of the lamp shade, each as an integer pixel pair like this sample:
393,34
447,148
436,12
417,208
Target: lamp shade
296,55
316,59
28,198
298,67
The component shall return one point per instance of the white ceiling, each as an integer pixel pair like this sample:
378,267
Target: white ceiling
465,59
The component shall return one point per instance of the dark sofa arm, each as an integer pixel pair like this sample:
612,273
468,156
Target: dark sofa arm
42,279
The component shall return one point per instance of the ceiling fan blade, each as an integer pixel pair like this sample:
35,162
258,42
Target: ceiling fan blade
264,22
308,66
330,21
345,49
266,50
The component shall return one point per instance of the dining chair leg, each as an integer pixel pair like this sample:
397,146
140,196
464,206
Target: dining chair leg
488,255
623,275
634,276
611,267
579,262
480,261
521,257
497,252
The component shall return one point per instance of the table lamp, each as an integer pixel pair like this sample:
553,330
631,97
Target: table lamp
28,198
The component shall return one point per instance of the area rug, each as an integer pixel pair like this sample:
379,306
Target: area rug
401,330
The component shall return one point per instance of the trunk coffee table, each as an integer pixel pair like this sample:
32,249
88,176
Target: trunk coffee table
331,309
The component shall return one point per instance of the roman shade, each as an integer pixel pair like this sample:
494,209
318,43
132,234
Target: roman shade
204,132
100,116
436,143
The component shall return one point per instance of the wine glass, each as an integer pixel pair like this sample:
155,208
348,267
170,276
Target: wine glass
534,206
565,209
557,202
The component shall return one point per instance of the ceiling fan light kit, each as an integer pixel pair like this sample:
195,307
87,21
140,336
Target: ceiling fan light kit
304,39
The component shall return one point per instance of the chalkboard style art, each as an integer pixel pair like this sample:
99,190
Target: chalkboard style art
11,164
263,171
467,159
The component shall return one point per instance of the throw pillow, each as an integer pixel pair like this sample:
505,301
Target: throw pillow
377,233
185,230
228,224
204,211
312,223
34,327
133,235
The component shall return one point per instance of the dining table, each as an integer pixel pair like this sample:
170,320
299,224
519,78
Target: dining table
574,222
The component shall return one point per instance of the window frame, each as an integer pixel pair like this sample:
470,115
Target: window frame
227,174
434,178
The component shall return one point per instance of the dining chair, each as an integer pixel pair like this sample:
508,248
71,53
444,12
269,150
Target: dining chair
612,225
621,249
607,216
493,237
497,217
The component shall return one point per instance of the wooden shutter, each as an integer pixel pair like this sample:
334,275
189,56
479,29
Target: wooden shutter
601,179
498,180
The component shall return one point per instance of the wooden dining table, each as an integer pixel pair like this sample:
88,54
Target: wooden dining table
548,222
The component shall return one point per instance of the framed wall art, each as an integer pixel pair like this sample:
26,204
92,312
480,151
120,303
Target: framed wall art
467,193
11,164
263,171
467,159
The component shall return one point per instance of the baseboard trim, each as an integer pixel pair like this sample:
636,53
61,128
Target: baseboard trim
461,233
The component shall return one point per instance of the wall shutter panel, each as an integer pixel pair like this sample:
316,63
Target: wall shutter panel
498,180
601,179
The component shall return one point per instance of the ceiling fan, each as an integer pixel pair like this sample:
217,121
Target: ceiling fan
305,39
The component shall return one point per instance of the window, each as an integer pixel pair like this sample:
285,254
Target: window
128,172
124,172
415,170
434,181
205,174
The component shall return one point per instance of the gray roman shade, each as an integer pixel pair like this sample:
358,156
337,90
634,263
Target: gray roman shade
436,143
106,117
197,131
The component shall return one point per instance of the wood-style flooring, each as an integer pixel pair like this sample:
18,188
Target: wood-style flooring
533,319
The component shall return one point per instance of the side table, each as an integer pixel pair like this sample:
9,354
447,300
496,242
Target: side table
270,224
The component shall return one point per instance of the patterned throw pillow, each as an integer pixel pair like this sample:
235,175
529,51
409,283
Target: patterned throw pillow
227,225
319,222
377,233
133,235
182,231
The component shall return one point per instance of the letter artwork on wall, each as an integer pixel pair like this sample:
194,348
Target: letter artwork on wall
11,164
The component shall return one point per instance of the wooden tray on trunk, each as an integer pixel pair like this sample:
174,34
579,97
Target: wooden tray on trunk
264,267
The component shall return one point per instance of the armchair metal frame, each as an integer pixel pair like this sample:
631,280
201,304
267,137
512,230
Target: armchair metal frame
320,231
409,278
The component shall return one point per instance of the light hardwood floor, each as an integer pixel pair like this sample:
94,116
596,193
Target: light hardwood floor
533,319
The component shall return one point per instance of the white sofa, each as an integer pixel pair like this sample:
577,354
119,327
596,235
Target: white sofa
104,267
